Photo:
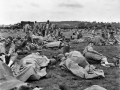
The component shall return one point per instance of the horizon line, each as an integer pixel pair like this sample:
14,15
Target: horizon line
65,21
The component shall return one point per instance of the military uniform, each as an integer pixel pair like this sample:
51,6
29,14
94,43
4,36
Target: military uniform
77,64
11,52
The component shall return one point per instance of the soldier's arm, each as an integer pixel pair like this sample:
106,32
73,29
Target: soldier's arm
90,49
12,49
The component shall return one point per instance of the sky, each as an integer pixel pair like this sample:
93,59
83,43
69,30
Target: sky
14,11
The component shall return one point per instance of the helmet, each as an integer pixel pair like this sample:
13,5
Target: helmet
53,61
60,56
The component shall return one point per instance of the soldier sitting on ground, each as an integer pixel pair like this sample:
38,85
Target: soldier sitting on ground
98,40
93,56
66,47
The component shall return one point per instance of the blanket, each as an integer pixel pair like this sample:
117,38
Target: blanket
95,87
7,80
78,65
31,67
53,44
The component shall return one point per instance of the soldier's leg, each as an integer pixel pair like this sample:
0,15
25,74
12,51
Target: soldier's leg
13,58
7,59
104,62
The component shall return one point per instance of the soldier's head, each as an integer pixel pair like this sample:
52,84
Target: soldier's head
40,52
60,56
67,55
35,21
90,44
8,40
48,21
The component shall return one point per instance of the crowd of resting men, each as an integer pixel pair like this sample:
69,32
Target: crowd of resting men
33,66
105,37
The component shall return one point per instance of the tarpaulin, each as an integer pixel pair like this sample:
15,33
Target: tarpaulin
95,87
7,80
53,44
31,67
78,65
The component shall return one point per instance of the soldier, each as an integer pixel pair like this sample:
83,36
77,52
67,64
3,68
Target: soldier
79,34
43,29
98,40
27,28
93,56
9,51
28,31
66,47
112,37
37,28
77,64
47,27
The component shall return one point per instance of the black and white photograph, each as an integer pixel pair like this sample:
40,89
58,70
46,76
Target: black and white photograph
59,44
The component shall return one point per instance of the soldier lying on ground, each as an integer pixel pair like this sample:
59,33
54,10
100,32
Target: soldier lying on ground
77,64
8,48
32,67
23,44
32,46
54,44
93,56
9,82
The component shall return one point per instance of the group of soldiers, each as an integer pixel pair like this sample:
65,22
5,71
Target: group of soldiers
38,28
75,61
13,45
104,37
10,47
27,42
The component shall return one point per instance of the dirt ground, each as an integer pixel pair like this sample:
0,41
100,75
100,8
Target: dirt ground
58,78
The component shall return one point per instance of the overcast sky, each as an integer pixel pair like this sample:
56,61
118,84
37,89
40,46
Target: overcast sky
13,11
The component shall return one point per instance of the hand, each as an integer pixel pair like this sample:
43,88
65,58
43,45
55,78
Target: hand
8,54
